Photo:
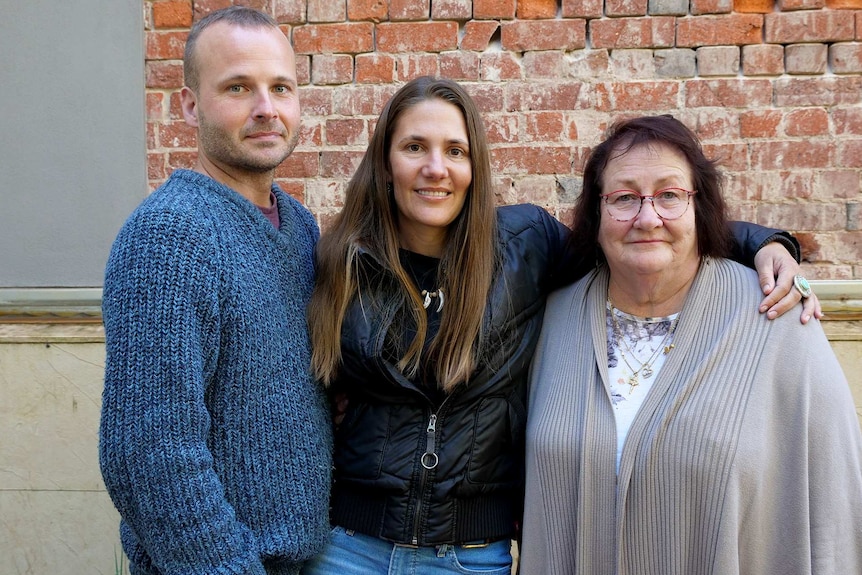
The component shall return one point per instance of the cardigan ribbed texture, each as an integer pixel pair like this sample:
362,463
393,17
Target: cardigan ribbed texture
745,458
215,443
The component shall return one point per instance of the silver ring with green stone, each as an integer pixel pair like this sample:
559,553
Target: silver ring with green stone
802,286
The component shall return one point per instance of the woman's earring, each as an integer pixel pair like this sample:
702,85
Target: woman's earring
389,188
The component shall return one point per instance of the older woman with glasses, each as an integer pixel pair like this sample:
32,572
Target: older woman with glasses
671,428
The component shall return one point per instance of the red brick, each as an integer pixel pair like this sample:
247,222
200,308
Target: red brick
176,135
809,26
374,10
791,217
330,69
299,164
364,100
293,188
759,123
846,58
632,64
339,164
530,160
636,96
175,107
166,45
616,33
699,7
499,66
791,154
763,60
155,105
459,65
347,38
345,132
544,126
152,128
494,9
807,122
859,25
174,14
753,6
826,91
733,93
477,34
558,95
409,66
836,184
588,63
157,168
374,68
310,133
164,74
303,69
850,154
544,35
544,64
711,124
326,10
536,9
451,9
583,8
289,11
417,37
488,97
719,30
204,7
615,8
847,121
315,101
791,5
503,128
181,160
409,9
718,60
805,58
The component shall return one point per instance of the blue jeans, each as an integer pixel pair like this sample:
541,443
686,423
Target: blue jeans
350,553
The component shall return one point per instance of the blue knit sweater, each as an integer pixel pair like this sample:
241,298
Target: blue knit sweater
215,443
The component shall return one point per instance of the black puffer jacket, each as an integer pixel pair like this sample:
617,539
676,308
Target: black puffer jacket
413,471
475,436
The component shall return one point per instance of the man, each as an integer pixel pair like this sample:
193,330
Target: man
215,444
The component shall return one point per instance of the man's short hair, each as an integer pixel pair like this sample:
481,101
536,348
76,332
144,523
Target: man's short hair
236,16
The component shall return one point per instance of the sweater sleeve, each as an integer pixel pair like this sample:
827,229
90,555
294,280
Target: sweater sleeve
160,310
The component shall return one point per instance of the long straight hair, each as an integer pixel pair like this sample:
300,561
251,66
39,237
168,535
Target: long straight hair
367,228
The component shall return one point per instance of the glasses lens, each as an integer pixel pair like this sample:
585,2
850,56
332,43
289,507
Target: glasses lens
623,205
670,203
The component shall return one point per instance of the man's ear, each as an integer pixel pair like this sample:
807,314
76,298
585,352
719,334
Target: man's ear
189,104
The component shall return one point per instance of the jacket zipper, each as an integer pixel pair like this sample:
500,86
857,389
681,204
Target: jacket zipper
429,461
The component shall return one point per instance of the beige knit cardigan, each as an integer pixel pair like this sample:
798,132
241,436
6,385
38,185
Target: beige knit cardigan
745,458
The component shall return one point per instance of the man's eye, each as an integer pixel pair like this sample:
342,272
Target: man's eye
236,88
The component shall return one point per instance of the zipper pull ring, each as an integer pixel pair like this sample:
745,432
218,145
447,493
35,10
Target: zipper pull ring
429,458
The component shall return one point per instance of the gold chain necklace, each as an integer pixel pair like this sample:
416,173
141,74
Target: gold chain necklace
645,367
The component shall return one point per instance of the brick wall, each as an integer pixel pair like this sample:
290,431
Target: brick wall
772,88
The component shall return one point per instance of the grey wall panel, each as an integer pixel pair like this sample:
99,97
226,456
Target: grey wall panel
72,136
